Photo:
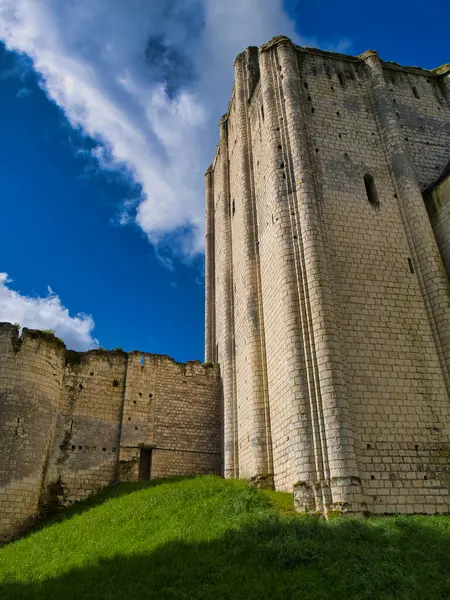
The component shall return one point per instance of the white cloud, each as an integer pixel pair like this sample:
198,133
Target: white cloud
97,65
46,313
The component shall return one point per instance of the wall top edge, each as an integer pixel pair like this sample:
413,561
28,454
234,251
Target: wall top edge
74,357
282,39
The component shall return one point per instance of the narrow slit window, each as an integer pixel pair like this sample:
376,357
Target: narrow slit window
262,111
415,92
371,190
233,208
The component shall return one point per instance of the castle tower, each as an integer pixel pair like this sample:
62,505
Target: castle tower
31,375
327,299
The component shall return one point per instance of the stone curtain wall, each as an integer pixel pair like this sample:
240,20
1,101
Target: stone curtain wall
341,322
87,437
71,423
187,421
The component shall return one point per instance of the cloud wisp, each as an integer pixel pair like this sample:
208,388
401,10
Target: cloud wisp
148,81
46,313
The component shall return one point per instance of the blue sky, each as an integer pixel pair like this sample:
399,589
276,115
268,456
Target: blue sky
109,120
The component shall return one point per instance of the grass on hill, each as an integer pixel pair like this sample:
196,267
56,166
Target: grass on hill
207,538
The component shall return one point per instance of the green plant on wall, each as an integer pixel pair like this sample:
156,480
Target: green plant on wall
52,332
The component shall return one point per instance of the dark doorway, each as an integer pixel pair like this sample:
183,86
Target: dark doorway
145,464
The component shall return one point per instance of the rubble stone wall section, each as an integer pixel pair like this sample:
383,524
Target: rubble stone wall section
72,423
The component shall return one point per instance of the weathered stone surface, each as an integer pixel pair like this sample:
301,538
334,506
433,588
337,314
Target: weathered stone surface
72,423
327,297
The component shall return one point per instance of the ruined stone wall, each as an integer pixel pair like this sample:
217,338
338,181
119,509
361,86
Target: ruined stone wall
71,423
86,444
31,375
187,419
355,312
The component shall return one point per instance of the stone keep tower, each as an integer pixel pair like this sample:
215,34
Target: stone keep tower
327,299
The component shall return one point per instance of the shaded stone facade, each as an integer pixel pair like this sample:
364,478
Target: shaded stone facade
327,298
71,423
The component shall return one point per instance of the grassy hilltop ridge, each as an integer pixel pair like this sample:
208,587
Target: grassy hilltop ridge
205,538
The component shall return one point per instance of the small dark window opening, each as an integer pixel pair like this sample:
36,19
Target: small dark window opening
369,446
411,266
233,208
150,395
341,79
371,190
416,446
145,464
262,111
415,92
116,383
372,477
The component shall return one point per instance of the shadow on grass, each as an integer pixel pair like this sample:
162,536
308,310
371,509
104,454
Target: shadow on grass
304,558
107,493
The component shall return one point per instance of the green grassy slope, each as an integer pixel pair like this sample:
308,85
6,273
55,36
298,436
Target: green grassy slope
205,538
